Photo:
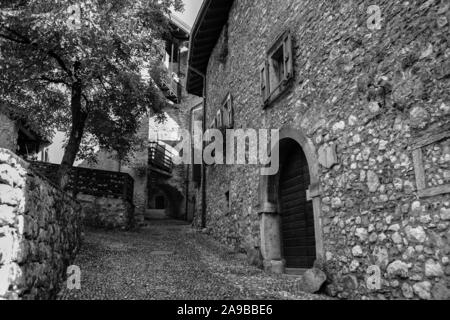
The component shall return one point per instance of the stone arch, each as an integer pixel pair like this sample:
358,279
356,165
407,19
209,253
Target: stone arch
268,201
174,199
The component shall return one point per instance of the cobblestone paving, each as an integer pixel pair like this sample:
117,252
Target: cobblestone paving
169,260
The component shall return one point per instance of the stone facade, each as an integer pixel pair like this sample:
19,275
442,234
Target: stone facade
40,232
109,213
359,102
9,132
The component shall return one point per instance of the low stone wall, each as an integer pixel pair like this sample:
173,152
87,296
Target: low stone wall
40,232
109,213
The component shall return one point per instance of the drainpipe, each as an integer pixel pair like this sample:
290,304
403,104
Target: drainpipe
186,216
203,146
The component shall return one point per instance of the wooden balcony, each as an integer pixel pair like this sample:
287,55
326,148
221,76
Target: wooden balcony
160,158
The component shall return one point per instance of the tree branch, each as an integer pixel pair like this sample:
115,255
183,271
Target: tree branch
27,41
57,81
11,39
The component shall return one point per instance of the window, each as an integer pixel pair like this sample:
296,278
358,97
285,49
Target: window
277,71
225,115
219,119
228,112
227,199
160,203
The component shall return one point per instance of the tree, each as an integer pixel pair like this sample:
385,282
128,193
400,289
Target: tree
81,66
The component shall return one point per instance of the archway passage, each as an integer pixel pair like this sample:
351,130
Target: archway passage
297,213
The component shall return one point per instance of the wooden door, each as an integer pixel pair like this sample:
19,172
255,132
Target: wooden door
297,217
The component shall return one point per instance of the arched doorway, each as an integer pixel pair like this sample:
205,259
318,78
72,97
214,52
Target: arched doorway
290,206
296,211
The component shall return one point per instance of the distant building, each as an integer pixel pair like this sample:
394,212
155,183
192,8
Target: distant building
19,136
160,187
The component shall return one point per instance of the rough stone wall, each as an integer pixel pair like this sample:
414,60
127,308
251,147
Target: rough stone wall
108,213
40,232
8,133
371,93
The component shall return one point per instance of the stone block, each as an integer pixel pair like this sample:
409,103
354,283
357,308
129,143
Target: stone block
327,156
311,281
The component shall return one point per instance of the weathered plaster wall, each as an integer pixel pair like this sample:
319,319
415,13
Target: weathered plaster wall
40,232
8,133
372,93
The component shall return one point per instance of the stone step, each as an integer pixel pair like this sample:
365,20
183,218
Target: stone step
154,214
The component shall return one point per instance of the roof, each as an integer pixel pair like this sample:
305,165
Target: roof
181,25
25,125
206,31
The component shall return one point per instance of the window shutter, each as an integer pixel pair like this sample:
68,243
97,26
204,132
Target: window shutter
219,119
225,116
230,112
288,57
263,72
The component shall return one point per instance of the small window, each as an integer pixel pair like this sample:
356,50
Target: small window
227,199
276,67
219,118
160,203
277,71
228,112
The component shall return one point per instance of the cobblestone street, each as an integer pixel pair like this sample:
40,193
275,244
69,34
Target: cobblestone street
168,260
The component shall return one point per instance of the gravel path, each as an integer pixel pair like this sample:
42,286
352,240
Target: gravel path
168,260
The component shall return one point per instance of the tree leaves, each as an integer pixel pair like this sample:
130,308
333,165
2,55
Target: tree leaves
42,56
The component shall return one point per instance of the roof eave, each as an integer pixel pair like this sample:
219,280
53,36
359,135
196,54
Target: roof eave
208,26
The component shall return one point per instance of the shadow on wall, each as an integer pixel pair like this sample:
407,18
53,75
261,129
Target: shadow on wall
167,197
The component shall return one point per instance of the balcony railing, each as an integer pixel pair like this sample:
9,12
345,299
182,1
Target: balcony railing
167,81
171,88
160,158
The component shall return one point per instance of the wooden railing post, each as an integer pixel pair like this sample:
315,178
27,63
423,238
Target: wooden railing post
125,188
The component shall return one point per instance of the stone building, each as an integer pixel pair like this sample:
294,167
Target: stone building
18,135
174,187
359,91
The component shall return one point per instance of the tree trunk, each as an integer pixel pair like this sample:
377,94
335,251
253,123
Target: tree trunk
76,133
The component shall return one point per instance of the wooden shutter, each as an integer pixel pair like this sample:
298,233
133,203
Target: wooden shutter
219,118
230,111
288,57
264,80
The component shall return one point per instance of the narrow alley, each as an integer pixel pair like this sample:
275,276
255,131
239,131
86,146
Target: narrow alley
168,260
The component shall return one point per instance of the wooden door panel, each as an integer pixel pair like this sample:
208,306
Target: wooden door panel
297,218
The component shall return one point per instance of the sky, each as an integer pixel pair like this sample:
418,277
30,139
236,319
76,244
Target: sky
191,8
